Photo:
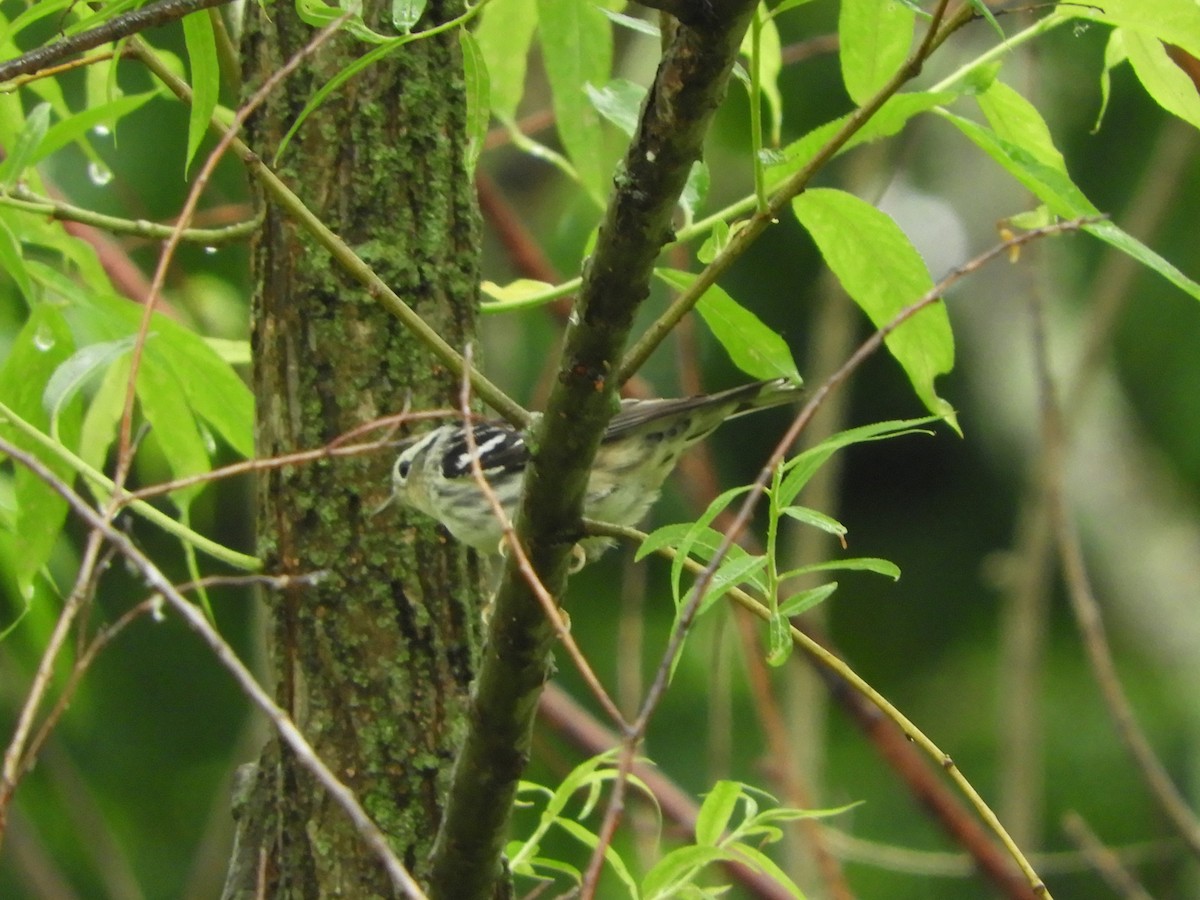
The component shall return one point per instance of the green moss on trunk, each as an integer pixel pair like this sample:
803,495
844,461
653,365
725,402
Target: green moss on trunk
374,662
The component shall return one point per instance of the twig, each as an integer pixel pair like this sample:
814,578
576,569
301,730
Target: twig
1090,622
103,529
517,553
120,26
873,712
1091,631
153,606
20,197
688,613
1104,860
338,447
9,773
51,71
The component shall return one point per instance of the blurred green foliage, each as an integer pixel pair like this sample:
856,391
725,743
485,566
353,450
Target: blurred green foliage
130,796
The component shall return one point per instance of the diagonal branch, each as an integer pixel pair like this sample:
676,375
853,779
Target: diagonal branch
120,26
690,83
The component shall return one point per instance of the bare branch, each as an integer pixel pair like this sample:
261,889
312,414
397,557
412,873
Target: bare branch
123,25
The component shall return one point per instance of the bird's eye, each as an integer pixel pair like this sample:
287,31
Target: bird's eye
402,469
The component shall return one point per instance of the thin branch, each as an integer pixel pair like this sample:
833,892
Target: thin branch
10,771
120,26
103,487
1088,618
20,197
338,447
152,605
83,62
696,595
103,529
1090,623
1104,860
554,613
893,733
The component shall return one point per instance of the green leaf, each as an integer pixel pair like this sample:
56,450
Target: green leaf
857,564
210,386
1038,217
619,101
1174,21
803,601
206,78
406,14
1114,55
671,874
76,126
504,33
21,154
103,414
539,865
615,863
716,241
785,5
779,640
883,273
234,352
696,531
1168,84
800,468
816,519
1055,188
1016,120
633,23
874,38
712,821
752,346
320,14
733,571
70,377
173,426
518,291
672,535
981,9
695,190
577,50
475,83
12,259
42,345
35,12
756,859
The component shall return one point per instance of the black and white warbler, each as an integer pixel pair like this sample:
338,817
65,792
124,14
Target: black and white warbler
640,447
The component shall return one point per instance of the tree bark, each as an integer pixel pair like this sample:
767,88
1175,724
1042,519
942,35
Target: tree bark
374,661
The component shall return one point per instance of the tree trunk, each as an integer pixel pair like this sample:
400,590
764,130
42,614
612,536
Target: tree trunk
375,660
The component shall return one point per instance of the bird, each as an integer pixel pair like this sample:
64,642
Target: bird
641,445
